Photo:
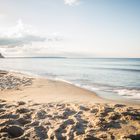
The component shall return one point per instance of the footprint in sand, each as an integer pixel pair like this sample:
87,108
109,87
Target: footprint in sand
2,110
21,103
22,110
134,137
23,121
83,108
15,131
68,112
37,133
41,114
2,105
9,116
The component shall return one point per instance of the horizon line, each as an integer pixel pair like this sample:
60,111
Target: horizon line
63,57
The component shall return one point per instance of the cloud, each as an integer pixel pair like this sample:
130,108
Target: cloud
9,42
2,16
19,35
71,2
23,40
55,37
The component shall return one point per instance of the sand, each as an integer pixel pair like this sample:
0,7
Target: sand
39,109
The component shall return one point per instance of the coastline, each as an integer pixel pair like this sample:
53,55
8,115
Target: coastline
60,92
63,86
38,108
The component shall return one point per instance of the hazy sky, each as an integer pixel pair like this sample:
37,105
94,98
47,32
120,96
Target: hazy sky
90,28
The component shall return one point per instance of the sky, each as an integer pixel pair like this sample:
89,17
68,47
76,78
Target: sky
71,28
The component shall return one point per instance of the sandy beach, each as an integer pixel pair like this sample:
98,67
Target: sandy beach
41,109
70,70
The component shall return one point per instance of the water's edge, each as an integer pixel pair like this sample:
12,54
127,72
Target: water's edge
122,100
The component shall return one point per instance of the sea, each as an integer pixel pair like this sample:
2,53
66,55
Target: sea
110,78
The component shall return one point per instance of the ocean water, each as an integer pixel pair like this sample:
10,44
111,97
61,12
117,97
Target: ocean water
117,79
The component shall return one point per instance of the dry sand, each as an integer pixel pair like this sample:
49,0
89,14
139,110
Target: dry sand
39,109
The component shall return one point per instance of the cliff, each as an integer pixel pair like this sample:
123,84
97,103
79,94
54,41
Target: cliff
1,56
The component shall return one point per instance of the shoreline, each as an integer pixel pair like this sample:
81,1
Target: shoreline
44,86
38,79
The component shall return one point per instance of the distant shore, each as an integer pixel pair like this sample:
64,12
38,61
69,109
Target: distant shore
44,109
1,56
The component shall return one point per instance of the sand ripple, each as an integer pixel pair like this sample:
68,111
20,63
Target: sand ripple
12,81
55,121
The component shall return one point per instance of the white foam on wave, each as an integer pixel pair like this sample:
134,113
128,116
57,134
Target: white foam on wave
62,80
129,93
91,88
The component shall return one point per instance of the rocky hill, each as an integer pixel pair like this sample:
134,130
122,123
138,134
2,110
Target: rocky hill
1,56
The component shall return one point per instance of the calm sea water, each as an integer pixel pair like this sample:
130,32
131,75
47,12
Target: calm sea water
110,78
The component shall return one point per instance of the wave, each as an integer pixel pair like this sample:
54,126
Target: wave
129,93
90,88
118,69
131,70
62,80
